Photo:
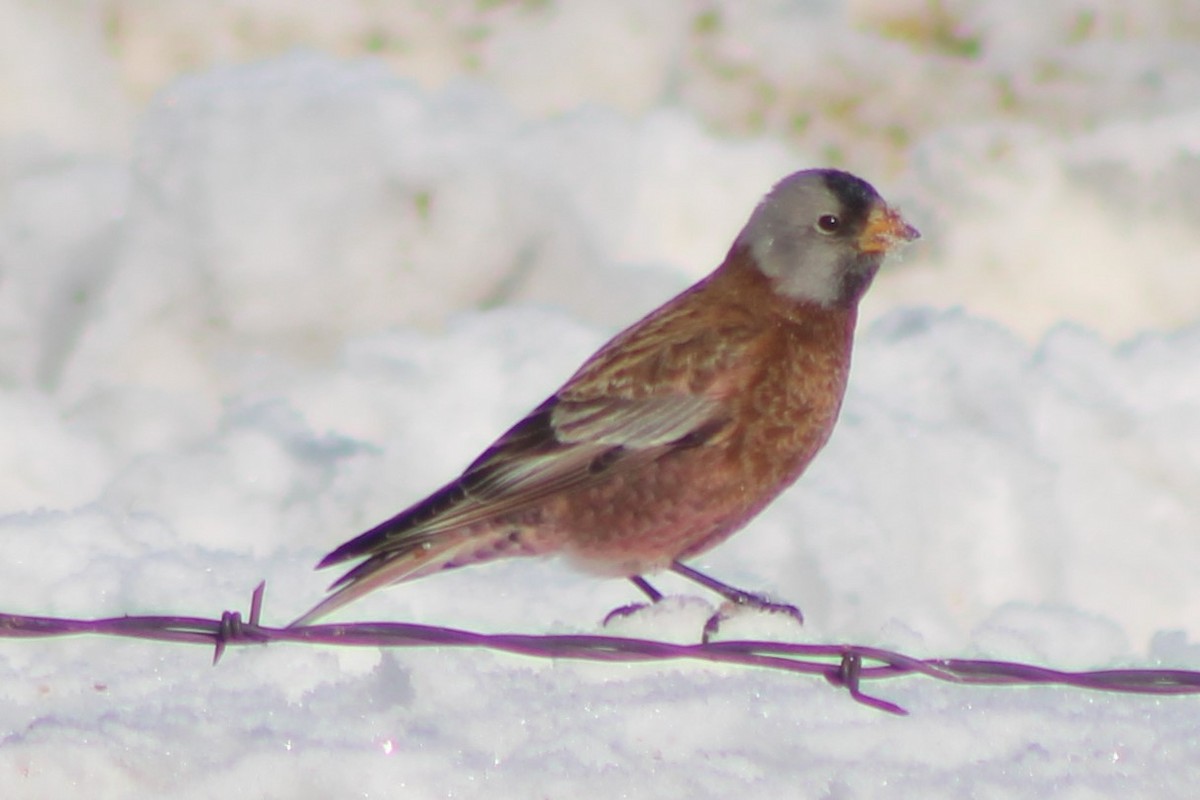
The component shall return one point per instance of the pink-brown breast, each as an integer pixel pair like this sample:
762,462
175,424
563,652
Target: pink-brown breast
779,371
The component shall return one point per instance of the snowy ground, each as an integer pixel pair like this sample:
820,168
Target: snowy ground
254,299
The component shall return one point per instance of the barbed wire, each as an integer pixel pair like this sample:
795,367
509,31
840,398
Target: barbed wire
846,666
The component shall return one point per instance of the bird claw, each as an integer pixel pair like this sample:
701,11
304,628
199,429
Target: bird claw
620,612
734,601
747,600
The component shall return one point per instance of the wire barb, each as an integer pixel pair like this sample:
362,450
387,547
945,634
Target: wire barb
232,629
849,675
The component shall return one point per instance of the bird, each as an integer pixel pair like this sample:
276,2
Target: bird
680,429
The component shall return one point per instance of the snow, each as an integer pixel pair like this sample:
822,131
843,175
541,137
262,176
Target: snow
272,272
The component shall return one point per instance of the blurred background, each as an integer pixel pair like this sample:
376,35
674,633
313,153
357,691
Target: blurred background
386,163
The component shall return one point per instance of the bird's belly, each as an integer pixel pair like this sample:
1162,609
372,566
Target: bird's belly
640,521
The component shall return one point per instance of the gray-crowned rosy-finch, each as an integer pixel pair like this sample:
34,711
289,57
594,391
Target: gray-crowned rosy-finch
680,429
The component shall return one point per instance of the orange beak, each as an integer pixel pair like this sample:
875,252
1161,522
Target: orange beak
885,229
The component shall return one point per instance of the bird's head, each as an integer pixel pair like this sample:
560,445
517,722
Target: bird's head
820,235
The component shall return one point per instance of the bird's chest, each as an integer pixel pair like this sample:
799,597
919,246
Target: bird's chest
791,402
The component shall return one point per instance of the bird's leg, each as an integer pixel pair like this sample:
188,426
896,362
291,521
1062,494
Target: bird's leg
654,594
739,597
731,593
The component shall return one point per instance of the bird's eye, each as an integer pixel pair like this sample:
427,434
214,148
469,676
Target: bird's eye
828,223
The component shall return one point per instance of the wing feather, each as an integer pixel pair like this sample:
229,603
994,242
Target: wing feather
645,393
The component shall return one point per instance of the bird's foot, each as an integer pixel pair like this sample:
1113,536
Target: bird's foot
620,612
672,619
743,600
630,609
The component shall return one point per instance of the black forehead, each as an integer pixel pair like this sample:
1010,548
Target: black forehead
856,195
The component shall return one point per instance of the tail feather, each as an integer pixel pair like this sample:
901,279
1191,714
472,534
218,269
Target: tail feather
382,570
405,530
